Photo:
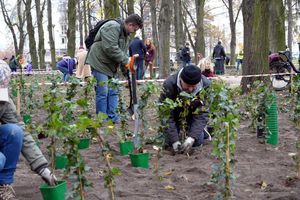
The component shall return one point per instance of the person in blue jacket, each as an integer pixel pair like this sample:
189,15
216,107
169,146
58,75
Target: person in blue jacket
137,46
66,65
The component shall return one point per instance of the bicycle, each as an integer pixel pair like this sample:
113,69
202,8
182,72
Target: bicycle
280,64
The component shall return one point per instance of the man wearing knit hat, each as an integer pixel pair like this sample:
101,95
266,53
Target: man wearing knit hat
14,140
188,79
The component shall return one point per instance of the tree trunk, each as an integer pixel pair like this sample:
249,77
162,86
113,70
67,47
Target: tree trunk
178,21
130,6
154,29
255,16
276,26
290,24
85,18
200,42
233,32
80,24
50,30
40,15
164,27
21,22
30,31
89,15
111,9
71,34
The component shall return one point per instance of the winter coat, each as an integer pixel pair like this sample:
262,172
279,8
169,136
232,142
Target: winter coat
137,46
68,63
82,70
197,122
219,52
185,54
30,150
110,51
150,53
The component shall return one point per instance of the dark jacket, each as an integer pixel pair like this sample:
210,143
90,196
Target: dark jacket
219,52
137,47
185,54
150,53
196,122
111,51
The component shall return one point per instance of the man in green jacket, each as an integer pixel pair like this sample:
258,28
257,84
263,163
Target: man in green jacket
14,140
108,53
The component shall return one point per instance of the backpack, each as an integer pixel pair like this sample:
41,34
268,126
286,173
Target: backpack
93,32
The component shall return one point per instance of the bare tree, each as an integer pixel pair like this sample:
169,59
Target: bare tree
199,40
50,30
178,18
290,24
154,26
71,27
110,9
85,18
80,25
256,16
232,21
30,31
40,14
164,27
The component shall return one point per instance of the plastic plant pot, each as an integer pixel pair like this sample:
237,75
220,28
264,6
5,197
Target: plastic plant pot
126,147
61,161
26,119
140,160
56,192
84,143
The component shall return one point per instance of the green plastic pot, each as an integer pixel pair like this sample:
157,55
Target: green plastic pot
140,160
56,192
126,147
84,143
26,119
61,161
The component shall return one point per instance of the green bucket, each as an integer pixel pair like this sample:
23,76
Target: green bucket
140,160
126,147
26,119
84,143
56,192
61,161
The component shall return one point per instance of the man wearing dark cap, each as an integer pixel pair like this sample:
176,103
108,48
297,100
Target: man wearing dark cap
188,79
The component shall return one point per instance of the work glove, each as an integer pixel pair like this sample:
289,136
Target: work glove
48,177
176,146
130,64
187,145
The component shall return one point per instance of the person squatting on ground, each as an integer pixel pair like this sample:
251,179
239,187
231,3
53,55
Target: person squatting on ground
219,57
188,79
185,55
66,65
206,67
149,57
106,55
137,47
83,71
14,140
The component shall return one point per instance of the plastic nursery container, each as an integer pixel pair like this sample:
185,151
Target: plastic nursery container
272,123
26,119
140,160
61,161
84,143
126,147
56,192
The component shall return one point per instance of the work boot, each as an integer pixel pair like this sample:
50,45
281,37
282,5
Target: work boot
7,193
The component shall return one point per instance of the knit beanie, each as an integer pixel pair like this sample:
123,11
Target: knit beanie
191,74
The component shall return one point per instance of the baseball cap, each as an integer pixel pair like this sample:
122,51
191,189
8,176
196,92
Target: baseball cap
4,80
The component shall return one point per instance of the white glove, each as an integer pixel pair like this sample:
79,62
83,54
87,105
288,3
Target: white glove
188,144
176,146
48,177
136,55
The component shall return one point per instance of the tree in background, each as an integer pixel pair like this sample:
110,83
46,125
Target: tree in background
178,22
40,15
80,25
199,39
111,9
50,30
256,43
154,29
30,31
276,26
71,27
164,27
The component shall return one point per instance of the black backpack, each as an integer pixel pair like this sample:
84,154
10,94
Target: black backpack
93,32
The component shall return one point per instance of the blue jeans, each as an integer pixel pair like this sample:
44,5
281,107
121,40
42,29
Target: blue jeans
140,70
106,97
11,140
65,72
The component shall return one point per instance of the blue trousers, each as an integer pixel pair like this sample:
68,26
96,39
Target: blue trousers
11,140
140,70
106,97
65,72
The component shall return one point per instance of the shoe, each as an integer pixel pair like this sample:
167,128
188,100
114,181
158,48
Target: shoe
7,192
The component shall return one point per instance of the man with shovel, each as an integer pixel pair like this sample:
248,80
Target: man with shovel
190,80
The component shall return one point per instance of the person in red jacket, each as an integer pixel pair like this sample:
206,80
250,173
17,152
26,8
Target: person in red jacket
149,58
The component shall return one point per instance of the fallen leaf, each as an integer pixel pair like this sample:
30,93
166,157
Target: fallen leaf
169,187
263,185
168,173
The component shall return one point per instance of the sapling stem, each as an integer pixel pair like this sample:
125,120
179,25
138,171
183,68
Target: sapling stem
227,169
80,184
